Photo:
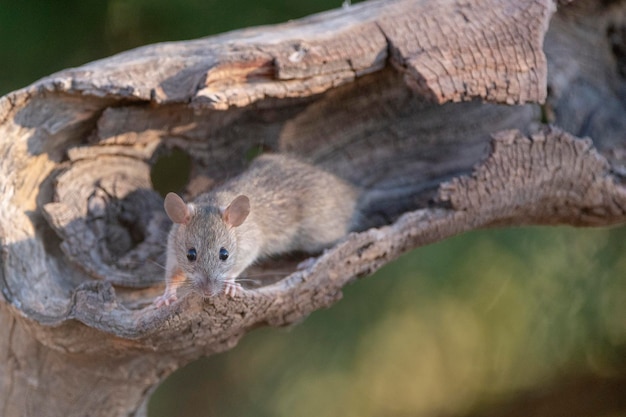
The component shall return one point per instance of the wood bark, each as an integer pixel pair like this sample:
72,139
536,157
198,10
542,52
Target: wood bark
478,113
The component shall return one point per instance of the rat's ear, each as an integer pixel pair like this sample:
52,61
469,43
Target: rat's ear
237,211
176,209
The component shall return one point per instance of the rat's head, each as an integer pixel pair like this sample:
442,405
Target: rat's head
204,242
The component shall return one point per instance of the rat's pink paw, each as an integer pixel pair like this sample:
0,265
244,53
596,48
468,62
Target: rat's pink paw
233,289
165,299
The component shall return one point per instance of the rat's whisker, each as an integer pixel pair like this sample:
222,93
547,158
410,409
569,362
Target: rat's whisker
185,289
153,262
250,282
266,274
241,279
134,264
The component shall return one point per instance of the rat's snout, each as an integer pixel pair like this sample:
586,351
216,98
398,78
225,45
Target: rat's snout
208,286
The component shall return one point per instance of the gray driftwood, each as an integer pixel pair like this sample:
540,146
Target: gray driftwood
480,113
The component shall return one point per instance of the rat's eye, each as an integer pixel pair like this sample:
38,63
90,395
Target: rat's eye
223,254
192,255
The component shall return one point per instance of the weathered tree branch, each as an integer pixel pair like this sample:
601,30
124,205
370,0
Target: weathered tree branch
431,99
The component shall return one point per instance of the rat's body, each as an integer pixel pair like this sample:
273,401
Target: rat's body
278,205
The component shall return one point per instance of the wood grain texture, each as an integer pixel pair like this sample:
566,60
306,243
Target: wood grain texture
413,98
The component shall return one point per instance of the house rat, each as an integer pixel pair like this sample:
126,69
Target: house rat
279,204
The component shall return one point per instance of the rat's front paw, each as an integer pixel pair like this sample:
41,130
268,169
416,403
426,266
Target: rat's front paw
165,299
233,289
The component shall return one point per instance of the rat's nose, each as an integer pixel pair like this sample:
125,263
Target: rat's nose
216,288
210,287
204,286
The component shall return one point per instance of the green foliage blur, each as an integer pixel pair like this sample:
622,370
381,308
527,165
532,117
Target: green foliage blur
453,329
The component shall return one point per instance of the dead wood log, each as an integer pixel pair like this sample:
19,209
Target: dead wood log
445,99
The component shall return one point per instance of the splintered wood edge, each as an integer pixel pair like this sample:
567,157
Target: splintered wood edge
554,172
447,51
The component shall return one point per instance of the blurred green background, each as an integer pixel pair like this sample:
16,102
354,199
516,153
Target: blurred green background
504,322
